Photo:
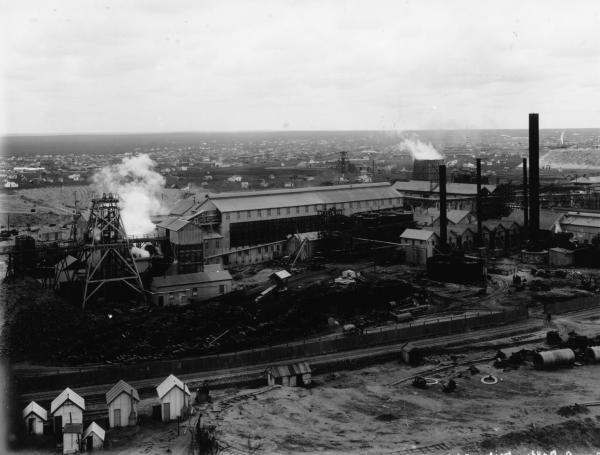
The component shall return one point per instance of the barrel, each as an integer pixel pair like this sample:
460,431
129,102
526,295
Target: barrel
554,359
593,354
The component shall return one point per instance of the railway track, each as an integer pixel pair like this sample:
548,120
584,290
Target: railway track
94,395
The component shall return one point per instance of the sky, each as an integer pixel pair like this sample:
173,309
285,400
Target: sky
150,66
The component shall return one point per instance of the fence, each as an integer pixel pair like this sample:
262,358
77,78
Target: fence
572,305
285,352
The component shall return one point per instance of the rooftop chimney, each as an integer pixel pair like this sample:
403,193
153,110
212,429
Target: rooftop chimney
443,217
534,178
525,198
478,203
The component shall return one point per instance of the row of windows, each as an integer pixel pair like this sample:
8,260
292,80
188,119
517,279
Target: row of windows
313,208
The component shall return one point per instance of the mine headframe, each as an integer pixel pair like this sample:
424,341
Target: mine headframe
106,250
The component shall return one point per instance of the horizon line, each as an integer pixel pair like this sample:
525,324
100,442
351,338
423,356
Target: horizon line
134,133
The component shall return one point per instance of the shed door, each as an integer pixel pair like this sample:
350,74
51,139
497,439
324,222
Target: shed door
117,418
89,443
166,411
31,425
57,424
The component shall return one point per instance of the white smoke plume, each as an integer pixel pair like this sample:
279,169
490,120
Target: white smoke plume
139,187
139,252
420,150
562,138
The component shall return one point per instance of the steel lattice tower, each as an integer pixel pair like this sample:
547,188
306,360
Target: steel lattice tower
107,252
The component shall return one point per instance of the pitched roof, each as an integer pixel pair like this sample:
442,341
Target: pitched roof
94,428
548,218
425,186
67,395
292,197
186,279
416,234
293,369
171,381
173,223
119,388
34,408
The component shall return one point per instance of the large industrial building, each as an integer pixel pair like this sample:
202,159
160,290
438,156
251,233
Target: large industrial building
460,196
253,227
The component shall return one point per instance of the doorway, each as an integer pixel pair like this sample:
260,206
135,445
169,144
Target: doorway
89,443
166,412
58,424
31,425
117,418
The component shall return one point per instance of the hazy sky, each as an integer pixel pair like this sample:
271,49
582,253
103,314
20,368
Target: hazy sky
125,66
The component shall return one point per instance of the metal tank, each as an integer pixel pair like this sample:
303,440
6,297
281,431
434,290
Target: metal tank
554,359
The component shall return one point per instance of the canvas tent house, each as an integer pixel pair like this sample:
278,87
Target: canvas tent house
297,374
174,397
35,417
122,400
66,408
93,437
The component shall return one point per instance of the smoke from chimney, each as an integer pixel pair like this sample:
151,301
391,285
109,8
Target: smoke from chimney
138,186
420,150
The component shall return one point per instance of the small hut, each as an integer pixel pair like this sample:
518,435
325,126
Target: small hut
35,417
122,400
174,397
93,437
72,437
66,408
296,374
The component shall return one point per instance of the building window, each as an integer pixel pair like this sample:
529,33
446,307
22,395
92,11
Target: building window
306,209
278,211
239,215
227,216
221,289
171,297
288,210
217,243
259,213
194,291
249,214
297,210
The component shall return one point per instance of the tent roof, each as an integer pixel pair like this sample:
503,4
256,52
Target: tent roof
171,381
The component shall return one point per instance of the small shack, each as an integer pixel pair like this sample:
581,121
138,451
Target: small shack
35,418
174,397
66,408
72,437
560,257
122,400
93,437
293,375
280,278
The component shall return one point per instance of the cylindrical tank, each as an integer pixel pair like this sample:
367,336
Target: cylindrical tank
554,359
593,354
404,317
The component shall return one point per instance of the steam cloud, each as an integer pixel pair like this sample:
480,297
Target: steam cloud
138,186
420,150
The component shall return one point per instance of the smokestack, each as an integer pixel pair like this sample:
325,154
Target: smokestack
478,202
534,178
525,198
443,217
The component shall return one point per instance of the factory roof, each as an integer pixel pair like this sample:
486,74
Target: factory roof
425,186
119,388
293,197
168,384
34,408
548,218
432,214
293,369
94,428
416,234
584,219
67,395
185,279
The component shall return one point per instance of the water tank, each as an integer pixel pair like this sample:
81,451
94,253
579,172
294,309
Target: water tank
554,359
593,354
